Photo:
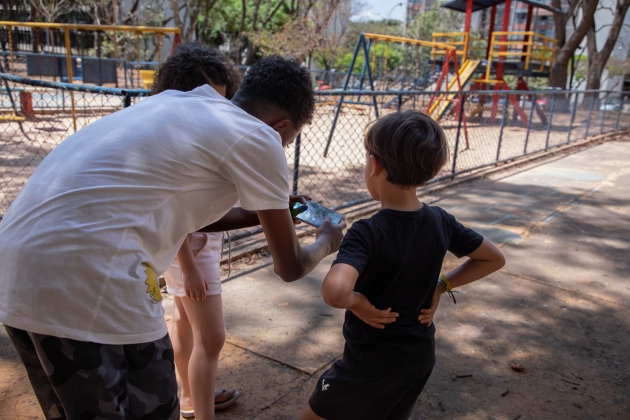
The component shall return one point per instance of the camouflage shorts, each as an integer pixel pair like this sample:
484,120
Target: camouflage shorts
82,380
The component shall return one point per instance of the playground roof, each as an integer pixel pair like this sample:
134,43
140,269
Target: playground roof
460,5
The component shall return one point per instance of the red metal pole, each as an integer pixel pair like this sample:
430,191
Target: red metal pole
506,23
493,15
528,27
469,10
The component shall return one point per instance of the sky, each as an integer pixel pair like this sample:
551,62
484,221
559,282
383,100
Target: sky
378,9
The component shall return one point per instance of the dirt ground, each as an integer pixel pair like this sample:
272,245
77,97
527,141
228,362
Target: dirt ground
560,308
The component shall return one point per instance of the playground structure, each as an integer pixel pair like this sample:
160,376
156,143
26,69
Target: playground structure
473,63
42,36
436,76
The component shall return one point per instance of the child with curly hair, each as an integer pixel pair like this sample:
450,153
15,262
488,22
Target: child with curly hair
197,331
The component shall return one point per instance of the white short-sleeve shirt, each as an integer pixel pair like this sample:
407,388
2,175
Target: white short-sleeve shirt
106,211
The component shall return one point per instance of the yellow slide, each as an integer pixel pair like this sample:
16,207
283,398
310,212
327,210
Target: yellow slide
441,105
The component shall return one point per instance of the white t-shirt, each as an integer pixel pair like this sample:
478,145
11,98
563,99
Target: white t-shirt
106,211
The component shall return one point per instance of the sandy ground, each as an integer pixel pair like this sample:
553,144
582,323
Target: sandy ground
560,308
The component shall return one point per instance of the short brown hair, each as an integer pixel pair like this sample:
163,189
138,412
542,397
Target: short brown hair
410,146
193,65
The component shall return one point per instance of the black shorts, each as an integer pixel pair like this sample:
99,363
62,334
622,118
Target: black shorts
83,380
344,394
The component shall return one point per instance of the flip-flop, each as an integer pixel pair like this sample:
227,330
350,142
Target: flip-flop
189,414
226,403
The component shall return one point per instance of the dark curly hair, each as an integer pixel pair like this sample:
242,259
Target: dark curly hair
279,82
410,146
193,65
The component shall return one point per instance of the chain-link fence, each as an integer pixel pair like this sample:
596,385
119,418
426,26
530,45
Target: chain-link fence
326,161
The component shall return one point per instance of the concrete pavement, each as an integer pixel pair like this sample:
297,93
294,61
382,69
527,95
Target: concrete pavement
560,308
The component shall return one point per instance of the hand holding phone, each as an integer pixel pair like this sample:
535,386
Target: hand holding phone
315,214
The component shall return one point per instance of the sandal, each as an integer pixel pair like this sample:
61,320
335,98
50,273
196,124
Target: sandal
188,414
226,403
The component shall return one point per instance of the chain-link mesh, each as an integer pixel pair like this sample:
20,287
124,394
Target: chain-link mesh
35,116
327,160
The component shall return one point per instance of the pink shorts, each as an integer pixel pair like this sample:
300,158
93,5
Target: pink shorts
206,248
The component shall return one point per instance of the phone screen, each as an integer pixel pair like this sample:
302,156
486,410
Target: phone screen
315,214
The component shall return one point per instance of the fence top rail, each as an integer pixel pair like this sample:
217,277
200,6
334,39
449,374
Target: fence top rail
73,87
142,92
473,93
119,28
389,38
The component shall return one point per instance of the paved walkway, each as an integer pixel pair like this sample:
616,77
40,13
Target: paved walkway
560,308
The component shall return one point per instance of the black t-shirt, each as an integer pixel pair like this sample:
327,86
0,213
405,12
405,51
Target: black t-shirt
399,256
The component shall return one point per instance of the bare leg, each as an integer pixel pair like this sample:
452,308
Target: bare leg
206,320
308,414
182,338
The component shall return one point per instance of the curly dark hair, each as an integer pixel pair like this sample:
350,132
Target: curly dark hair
193,65
410,146
279,82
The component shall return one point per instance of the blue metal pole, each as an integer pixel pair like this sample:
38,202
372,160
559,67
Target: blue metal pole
553,105
369,71
621,100
529,122
572,117
345,87
601,126
505,105
296,164
459,129
590,113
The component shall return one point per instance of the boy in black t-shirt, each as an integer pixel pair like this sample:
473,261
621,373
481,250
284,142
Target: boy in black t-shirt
393,260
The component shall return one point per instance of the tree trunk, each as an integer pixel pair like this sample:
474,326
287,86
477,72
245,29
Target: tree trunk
250,53
564,53
597,59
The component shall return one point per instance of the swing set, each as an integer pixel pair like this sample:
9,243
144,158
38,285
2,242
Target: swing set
437,76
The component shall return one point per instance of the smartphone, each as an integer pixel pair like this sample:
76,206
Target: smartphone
315,214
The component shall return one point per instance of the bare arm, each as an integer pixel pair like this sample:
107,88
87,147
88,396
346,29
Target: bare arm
194,280
291,260
239,218
338,292
236,218
483,261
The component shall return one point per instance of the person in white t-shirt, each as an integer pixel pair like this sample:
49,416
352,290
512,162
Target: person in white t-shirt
106,212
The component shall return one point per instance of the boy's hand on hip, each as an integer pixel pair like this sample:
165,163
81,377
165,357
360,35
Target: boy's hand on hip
426,315
331,234
195,284
368,313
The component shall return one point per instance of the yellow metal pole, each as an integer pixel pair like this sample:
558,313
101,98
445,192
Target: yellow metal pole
490,53
9,30
69,64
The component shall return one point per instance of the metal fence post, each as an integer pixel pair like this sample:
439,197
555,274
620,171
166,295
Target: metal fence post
127,100
296,164
621,100
553,105
505,105
590,113
601,126
399,102
529,122
572,116
459,130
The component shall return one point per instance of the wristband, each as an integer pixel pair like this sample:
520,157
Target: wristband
446,285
